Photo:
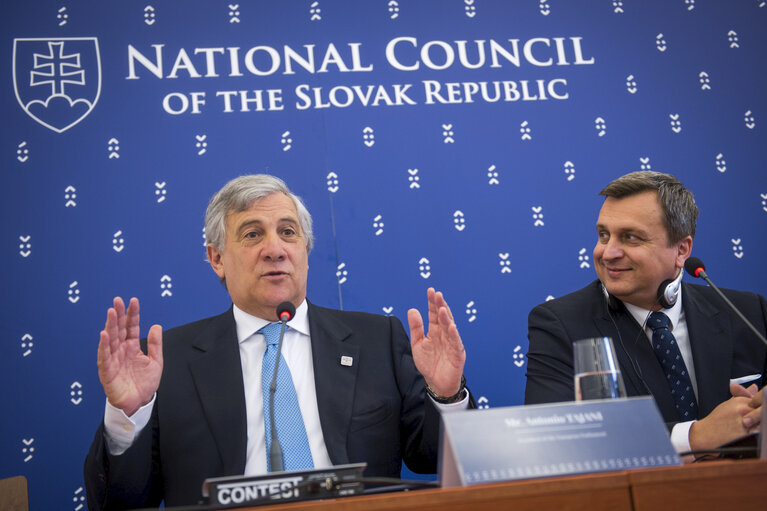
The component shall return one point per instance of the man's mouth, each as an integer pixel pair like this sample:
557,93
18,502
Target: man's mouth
274,274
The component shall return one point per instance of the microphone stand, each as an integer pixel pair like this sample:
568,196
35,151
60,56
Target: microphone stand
700,272
275,449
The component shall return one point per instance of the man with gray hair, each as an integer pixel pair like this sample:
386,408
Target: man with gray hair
191,404
709,394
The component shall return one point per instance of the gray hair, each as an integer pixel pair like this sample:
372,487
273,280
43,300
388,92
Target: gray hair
240,194
679,210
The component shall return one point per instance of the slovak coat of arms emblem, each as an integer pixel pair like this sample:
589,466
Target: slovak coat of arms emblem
57,81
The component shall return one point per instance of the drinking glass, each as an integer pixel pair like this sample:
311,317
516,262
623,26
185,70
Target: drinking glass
597,374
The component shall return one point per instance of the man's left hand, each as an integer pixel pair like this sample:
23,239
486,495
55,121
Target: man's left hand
752,420
439,355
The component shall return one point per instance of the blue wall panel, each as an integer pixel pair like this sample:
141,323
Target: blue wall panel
492,202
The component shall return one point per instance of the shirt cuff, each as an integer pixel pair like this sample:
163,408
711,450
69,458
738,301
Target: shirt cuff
463,404
680,438
120,430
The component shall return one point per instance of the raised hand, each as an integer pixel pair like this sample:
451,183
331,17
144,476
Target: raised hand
129,377
439,355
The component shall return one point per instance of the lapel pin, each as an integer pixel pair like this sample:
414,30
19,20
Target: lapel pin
346,361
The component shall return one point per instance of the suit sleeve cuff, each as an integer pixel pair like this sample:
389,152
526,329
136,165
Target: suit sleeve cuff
120,430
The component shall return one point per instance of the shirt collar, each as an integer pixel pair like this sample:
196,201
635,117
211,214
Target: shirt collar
247,324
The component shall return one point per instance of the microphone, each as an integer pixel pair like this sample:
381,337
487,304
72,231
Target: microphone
696,268
285,311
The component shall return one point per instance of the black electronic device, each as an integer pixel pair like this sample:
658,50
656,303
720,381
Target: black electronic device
288,486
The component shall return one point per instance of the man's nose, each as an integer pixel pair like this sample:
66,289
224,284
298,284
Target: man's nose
274,248
612,249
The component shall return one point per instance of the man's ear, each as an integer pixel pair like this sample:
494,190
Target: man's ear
684,249
215,258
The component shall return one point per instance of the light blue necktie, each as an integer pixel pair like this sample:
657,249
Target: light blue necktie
291,432
670,358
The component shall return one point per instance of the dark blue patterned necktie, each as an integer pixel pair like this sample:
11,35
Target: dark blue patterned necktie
670,358
288,421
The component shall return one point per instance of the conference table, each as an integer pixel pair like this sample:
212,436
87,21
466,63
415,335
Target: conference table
711,485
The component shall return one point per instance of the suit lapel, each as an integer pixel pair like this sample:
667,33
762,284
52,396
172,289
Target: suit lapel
607,328
651,371
217,375
619,326
711,348
334,381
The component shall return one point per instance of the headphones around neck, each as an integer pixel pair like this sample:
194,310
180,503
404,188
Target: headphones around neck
668,293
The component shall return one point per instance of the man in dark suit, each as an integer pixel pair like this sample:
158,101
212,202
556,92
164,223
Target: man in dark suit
192,407
645,232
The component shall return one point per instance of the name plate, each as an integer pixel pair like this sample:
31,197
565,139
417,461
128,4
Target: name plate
524,442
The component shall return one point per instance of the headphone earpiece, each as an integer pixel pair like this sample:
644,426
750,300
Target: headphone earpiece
668,292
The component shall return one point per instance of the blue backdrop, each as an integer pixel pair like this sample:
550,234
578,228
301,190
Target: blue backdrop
459,144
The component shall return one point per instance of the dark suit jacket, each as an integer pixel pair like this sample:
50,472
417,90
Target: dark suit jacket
722,345
373,411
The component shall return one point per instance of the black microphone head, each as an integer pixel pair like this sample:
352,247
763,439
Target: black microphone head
694,266
286,311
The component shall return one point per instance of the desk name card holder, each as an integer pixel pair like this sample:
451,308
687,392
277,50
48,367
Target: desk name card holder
524,442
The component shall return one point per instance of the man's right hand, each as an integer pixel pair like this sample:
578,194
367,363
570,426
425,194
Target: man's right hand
725,422
129,377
